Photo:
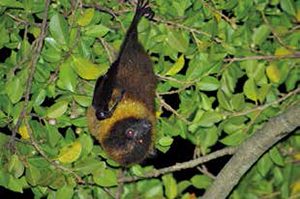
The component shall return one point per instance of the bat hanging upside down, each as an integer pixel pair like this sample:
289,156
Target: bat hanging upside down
122,115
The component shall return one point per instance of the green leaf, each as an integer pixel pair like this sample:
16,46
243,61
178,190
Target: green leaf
169,127
67,76
53,136
209,118
283,51
14,89
170,186
201,181
177,40
178,65
285,189
260,34
38,162
4,177
183,185
39,97
151,188
65,192
96,30
85,17
83,100
206,103
292,79
276,156
89,165
208,83
264,165
165,141
32,175
52,55
15,184
79,122
278,175
263,92
105,178
48,177
86,143
42,73
238,101
137,170
223,100
57,109
70,153
234,139
15,166
288,6
195,70
209,137
59,181
88,70
250,89
59,29
11,4
234,125
273,73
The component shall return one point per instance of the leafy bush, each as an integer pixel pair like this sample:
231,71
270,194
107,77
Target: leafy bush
233,65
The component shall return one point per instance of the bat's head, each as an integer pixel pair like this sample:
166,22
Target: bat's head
129,140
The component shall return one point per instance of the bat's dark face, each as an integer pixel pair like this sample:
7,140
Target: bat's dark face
129,140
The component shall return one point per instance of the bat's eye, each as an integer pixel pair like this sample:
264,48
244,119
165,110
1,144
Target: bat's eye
129,133
140,141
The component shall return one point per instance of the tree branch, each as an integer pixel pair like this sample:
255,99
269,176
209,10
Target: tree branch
184,165
42,153
169,108
250,150
233,25
32,65
268,57
261,108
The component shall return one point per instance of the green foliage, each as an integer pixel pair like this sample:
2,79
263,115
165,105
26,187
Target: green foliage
192,46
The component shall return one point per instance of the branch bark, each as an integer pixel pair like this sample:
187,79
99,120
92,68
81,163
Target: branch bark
250,150
180,166
32,66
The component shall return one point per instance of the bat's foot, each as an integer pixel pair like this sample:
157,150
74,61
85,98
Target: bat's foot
143,8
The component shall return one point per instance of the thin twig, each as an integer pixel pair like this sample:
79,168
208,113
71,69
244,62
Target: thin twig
202,168
173,79
105,46
187,84
233,25
108,11
184,165
42,153
32,65
169,23
274,33
17,19
101,9
108,192
169,108
176,91
295,28
120,184
252,121
268,57
277,193
261,108
53,77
